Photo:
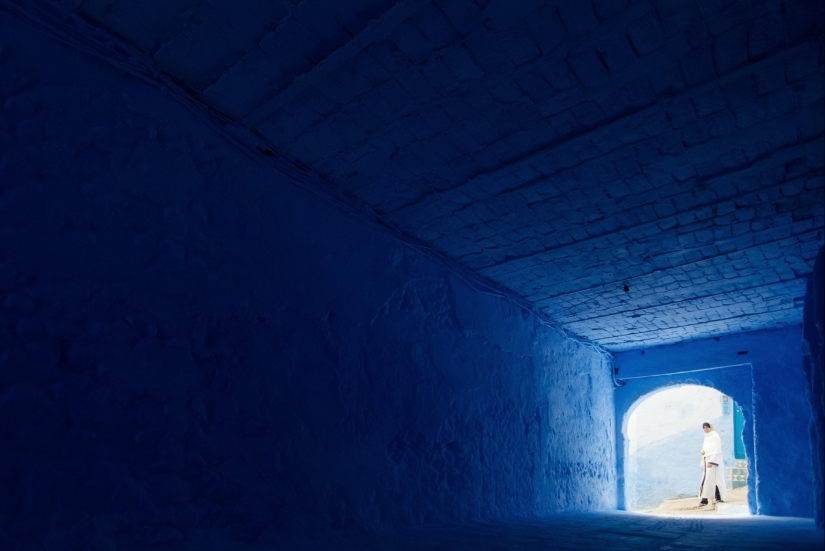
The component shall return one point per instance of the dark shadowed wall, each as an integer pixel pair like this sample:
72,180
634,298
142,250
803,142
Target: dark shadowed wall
766,378
814,333
191,349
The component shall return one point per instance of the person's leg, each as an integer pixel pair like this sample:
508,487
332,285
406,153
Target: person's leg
721,484
708,485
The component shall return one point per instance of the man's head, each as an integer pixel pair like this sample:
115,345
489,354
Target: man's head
706,427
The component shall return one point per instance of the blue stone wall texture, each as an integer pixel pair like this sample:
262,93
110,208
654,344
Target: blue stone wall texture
814,334
767,380
192,350
564,150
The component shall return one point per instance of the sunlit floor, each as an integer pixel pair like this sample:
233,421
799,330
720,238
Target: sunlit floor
613,531
736,503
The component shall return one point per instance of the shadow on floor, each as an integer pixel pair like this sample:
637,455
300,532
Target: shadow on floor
615,530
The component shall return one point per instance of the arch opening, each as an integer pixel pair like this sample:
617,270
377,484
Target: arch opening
663,438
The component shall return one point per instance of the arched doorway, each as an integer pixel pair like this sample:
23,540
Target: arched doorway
663,437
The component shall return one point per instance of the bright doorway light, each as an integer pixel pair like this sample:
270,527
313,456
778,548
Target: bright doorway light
664,439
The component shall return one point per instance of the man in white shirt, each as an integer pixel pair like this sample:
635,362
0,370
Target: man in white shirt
713,481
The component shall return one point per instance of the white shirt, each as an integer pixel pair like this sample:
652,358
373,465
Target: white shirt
712,448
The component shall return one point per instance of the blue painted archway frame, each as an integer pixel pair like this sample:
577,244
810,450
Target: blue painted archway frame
735,381
766,378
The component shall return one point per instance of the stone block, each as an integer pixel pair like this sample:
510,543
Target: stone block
462,65
627,167
640,93
534,85
389,56
720,124
667,79
557,72
465,17
577,18
617,52
778,103
646,34
708,103
412,42
605,9
749,115
765,35
697,66
614,103
681,113
503,151
730,49
589,68
695,133
486,50
419,87
519,45
546,29
434,26
770,77
305,43
588,113
670,144
439,75
370,68
564,123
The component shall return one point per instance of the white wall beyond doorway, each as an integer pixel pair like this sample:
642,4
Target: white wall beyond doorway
664,436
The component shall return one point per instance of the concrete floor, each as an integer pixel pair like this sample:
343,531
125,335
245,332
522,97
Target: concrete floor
613,531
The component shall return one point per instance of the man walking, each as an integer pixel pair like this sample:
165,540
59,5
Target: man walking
713,481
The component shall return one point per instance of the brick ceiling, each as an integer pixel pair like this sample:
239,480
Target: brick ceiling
643,172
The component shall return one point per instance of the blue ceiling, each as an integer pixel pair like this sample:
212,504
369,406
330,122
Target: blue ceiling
643,172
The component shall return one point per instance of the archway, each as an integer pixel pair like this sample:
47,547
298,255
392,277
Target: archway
663,436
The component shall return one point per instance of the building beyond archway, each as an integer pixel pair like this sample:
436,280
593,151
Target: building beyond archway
664,437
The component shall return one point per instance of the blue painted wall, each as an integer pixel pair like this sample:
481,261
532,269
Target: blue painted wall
738,427
193,350
814,363
767,381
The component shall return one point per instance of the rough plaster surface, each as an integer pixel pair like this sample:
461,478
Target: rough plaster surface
665,438
561,148
770,388
192,350
814,335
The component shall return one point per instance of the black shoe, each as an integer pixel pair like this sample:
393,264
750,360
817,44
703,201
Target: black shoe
703,502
